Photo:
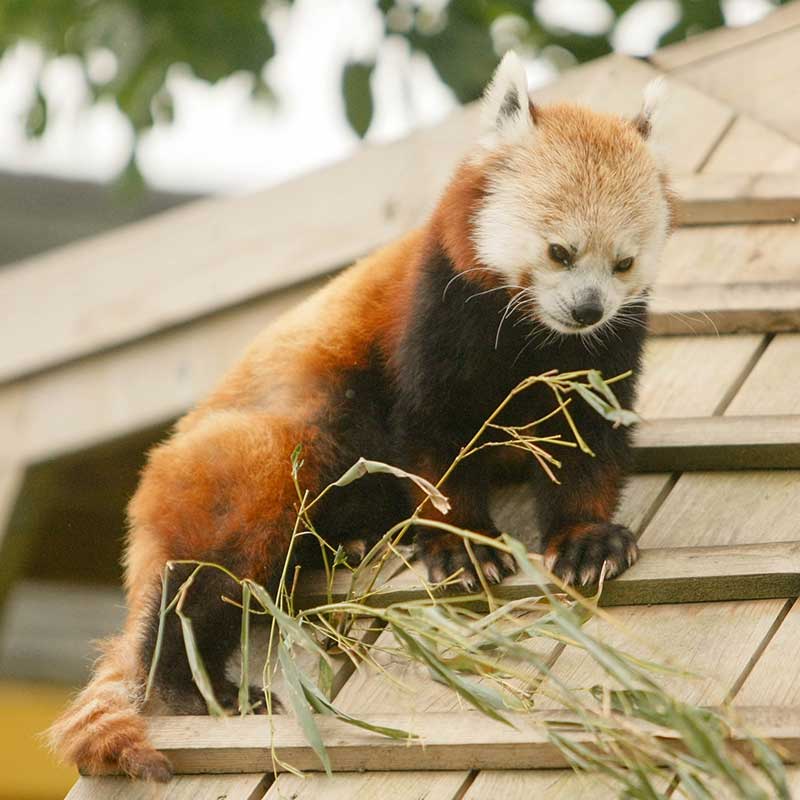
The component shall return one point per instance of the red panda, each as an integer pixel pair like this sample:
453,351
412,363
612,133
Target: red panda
539,255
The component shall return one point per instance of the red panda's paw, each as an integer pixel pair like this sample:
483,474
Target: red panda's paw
576,554
228,697
355,550
444,554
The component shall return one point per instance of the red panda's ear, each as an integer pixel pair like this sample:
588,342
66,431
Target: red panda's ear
651,104
507,114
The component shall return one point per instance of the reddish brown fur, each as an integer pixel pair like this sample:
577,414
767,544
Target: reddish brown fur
600,502
225,471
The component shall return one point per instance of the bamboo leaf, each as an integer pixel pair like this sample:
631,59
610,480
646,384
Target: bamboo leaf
244,680
599,385
299,703
196,665
364,467
484,699
323,706
290,627
151,675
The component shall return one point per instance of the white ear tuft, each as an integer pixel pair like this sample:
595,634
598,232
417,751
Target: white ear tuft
654,94
506,112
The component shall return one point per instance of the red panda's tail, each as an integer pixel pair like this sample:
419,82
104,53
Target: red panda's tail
103,730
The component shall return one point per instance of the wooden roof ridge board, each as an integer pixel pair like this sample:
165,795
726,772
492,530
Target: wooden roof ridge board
217,253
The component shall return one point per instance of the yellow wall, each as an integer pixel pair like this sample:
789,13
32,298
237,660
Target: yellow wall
27,770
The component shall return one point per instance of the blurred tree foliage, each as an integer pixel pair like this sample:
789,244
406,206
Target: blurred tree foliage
215,38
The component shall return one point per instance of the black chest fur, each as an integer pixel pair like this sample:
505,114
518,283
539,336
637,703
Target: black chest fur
463,353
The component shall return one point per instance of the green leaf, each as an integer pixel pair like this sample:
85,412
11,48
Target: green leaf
358,96
487,700
325,677
323,706
617,415
199,673
364,467
300,705
291,629
244,680
295,458
151,675
36,120
599,385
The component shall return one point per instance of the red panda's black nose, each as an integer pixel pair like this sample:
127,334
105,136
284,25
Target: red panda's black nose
588,313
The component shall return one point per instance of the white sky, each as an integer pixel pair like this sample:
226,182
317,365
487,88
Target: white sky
222,141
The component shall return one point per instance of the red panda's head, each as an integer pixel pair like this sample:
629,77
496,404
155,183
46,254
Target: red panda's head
574,204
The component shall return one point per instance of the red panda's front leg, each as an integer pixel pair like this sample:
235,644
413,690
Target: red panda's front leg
578,535
445,554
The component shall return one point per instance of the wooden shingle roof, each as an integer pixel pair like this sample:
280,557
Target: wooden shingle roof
734,140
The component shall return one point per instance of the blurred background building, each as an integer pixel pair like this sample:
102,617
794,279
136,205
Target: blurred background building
112,111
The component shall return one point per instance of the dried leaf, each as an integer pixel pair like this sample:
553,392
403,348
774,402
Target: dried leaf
364,467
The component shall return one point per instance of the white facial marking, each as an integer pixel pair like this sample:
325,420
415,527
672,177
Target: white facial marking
567,180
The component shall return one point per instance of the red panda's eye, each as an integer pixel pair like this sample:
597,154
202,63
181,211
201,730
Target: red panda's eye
624,265
560,254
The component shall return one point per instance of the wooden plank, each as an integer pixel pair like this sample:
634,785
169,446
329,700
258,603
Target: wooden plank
711,640
747,506
718,443
730,254
758,79
709,199
662,575
725,308
750,147
712,43
11,480
433,785
544,784
213,254
772,385
194,787
775,678
449,741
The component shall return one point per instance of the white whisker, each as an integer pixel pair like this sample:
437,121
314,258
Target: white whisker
495,289
512,304
461,274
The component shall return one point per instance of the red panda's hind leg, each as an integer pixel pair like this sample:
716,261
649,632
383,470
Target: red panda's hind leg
220,492
216,625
